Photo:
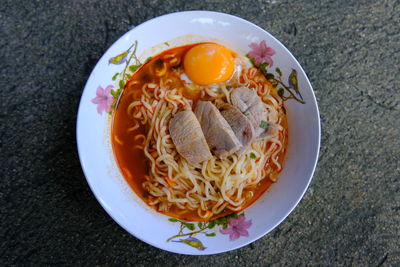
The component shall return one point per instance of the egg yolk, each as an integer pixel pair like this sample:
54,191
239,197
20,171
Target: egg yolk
208,63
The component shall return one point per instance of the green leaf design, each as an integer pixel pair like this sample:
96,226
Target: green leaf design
172,220
270,76
211,225
199,224
278,70
115,76
235,215
119,59
293,83
113,93
211,234
253,156
264,65
121,84
280,92
189,226
133,68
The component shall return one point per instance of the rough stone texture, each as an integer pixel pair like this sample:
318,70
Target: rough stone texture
350,214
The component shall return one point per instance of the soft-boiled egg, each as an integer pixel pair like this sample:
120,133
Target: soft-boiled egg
208,63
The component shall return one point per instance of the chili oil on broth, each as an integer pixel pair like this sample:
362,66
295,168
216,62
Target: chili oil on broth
127,139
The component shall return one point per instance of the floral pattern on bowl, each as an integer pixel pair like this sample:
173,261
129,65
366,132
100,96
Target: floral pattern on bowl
234,225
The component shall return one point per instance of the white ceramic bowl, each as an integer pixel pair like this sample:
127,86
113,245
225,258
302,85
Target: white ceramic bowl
110,188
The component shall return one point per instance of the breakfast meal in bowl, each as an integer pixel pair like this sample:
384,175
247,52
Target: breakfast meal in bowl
188,134
199,132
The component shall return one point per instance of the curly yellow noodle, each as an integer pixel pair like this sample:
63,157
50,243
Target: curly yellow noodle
216,185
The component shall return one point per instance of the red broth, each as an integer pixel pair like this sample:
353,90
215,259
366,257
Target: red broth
131,161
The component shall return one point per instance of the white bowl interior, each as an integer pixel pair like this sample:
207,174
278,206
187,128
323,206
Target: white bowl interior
120,201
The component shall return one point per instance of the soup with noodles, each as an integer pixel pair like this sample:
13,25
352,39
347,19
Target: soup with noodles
199,133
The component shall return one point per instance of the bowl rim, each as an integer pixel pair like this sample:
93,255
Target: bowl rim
255,237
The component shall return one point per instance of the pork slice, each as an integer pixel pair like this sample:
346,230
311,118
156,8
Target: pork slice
219,135
243,98
248,102
188,137
240,124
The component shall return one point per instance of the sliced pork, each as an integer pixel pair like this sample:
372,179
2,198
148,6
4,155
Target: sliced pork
240,124
218,133
188,137
250,104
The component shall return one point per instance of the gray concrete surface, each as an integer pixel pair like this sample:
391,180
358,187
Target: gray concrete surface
350,214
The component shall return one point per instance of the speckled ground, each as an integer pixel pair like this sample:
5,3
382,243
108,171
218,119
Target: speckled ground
350,214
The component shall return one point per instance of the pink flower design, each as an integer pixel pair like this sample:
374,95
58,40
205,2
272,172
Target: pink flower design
237,227
103,99
261,53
